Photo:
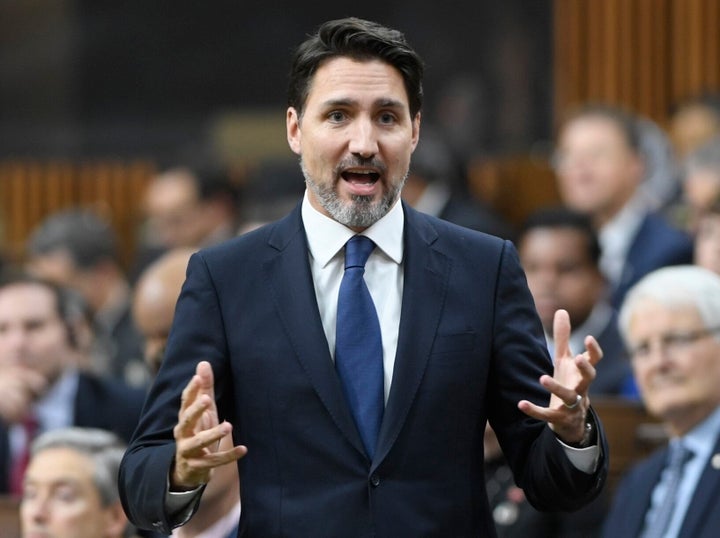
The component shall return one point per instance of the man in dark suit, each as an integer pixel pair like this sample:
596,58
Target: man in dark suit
455,342
560,254
431,187
600,169
670,323
78,249
42,389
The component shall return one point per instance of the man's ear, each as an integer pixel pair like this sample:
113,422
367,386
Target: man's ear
294,134
416,130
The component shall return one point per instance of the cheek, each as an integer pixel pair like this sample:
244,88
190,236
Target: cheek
72,520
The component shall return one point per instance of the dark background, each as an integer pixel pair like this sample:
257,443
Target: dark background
153,78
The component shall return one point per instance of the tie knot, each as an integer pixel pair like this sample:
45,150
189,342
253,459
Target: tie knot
680,454
357,251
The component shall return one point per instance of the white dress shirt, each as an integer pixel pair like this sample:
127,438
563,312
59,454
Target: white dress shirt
383,273
617,235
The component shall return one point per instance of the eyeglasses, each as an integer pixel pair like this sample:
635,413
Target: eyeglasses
672,343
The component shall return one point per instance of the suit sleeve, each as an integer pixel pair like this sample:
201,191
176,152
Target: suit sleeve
197,334
520,357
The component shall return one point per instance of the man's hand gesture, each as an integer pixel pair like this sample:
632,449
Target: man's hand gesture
198,433
569,384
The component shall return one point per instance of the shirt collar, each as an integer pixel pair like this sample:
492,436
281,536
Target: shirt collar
326,237
622,228
701,439
58,400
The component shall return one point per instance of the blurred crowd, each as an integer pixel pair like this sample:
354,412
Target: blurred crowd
82,332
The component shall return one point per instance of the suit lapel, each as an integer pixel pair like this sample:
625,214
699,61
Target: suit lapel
292,290
638,502
426,274
705,498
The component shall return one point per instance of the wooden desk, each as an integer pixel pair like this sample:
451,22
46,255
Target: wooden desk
9,517
632,434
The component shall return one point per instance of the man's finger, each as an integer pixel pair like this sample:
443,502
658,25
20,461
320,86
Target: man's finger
561,333
189,418
207,380
594,351
190,393
192,446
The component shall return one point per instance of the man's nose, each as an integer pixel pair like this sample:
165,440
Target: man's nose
363,139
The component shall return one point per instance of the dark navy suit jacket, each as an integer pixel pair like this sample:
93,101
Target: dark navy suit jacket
657,244
99,403
632,500
470,347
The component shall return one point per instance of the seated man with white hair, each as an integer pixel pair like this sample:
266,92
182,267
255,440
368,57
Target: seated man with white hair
71,486
670,321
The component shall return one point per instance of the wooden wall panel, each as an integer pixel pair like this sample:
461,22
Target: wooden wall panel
643,54
29,191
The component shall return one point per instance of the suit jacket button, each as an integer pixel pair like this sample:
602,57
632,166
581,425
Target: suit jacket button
374,480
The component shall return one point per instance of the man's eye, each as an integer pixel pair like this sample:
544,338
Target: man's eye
336,116
387,118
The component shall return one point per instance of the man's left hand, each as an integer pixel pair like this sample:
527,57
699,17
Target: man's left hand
568,386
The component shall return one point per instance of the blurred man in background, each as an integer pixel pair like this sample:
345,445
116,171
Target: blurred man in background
41,386
670,323
599,170
77,248
560,253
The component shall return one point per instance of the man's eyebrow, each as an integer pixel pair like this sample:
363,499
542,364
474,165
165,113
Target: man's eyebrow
389,103
339,102
383,102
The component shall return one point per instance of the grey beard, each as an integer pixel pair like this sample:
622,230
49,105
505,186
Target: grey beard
361,211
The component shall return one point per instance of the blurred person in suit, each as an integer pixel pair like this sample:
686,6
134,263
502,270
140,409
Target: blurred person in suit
560,253
599,170
669,321
430,187
693,122
700,185
707,239
77,248
41,385
70,489
154,301
190,206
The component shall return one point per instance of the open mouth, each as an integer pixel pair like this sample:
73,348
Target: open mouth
360,177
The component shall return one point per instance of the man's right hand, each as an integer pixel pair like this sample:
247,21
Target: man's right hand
198,433
19,388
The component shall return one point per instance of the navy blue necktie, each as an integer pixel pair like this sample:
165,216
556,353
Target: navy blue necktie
358,344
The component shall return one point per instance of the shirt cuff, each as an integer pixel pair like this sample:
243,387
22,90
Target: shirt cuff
583,459
180,505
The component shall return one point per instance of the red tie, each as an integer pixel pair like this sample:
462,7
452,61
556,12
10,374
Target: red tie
17,472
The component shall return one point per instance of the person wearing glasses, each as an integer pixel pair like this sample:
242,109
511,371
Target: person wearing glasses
670,321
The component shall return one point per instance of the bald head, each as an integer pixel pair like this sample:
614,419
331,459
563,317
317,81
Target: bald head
156,293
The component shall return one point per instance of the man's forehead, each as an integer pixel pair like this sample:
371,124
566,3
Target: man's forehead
27,297
342,73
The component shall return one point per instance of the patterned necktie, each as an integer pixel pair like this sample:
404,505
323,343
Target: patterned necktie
358,345
672,474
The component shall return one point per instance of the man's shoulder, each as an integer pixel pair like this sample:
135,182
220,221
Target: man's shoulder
438,228
93,389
